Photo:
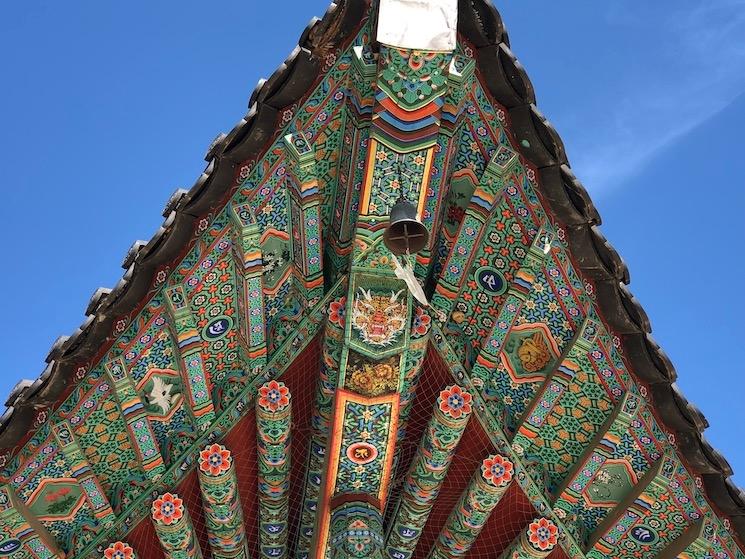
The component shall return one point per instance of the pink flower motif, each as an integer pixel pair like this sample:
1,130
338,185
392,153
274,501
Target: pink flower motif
168,508
118,550
421,322
497,470
543,534
274,396
337,312
455,402
215,459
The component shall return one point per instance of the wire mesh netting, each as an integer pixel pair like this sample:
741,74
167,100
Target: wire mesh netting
509,518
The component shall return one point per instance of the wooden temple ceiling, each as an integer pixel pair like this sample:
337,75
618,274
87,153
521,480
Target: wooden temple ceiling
263,383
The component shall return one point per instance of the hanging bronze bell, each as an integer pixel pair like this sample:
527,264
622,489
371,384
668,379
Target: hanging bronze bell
405,234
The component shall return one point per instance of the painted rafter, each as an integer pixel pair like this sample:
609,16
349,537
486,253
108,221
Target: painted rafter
538,540
273,421
174,528
18,524
424,479
468,517
248,258
83,473
223,514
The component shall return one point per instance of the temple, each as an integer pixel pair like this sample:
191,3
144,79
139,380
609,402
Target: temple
383,323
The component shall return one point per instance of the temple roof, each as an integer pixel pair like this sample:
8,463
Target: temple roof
508,83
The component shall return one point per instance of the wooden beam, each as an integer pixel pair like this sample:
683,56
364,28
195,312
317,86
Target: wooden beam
119,550
633,508
538,540
428,470
305,218
486,488
273,421
83,473
23,530
479,213
174,528
193,374
133,411
249,271
695,543
223,513
601,448
557,381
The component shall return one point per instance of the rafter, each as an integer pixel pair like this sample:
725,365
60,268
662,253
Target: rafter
537,541
557,381
83,473
174,528
468,517
223,514
195,379
479,213
273,421
21,528
133,410
695,543
598,451
634,507
119,550
427,472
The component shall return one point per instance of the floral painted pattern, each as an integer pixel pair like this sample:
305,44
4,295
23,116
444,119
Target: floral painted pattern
421,323
274,396
168,508
118,550
337,312
215,459
543,534
455,402
497,470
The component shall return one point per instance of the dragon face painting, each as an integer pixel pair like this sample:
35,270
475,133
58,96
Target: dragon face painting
379,318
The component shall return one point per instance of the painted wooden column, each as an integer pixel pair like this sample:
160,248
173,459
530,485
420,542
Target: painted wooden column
22,531
249,263
119,550
273,420
428,470
305,219
133,410
174,528
572,359
487,486
196,381
536,542
223,514
83,473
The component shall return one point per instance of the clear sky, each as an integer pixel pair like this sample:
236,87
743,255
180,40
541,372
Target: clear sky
107,107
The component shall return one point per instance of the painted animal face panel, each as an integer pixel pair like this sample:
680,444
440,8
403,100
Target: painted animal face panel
379,318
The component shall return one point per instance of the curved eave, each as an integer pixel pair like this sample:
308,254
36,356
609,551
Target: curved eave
508,82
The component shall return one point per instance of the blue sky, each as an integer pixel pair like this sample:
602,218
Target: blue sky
107,107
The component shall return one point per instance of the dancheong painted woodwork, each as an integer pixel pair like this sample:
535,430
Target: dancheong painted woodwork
269,380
